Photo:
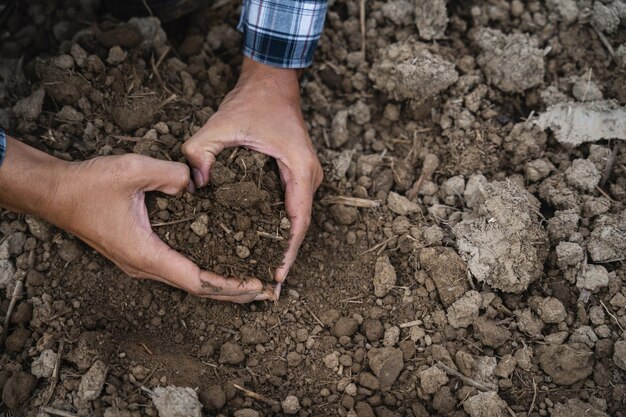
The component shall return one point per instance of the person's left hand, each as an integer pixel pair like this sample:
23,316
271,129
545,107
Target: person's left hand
263,113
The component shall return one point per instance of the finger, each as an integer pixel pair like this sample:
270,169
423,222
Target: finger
201,150
172,267
165,176
298,202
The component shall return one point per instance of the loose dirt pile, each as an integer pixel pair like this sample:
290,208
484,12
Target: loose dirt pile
238,226
461,261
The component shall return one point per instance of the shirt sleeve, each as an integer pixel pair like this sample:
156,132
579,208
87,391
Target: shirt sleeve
282,33
3,145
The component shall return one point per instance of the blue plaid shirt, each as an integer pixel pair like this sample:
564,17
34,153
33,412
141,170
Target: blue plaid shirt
282,33
3,145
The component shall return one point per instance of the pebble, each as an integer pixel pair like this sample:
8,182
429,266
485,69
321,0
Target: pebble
294,359
373,329
392,336
92,382
231,353
116,55
345,326
17,389
29,108
38,228
290,405
140,372
485,404
246,412
345,215
69,250
174,401
250,335
201,225
386,363
465,310
432,379
213,398
384,276
43,366
162,128
332,360
242,251
619,354
350,389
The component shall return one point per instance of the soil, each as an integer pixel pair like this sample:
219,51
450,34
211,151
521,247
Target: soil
237,226
483,276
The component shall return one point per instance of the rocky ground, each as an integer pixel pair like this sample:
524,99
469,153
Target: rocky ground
466,256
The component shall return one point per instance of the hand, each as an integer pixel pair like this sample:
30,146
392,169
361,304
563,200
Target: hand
263,113
101,201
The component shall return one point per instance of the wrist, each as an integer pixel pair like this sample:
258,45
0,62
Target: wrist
30,180
262,76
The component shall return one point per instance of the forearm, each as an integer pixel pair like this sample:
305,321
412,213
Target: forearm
29,179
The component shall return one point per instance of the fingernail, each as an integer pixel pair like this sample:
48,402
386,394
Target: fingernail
197,177
262,296
277,290
191,187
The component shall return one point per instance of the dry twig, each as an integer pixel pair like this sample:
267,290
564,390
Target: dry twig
55,412
187,219
269,235
612,316
469,381
256,395
351,201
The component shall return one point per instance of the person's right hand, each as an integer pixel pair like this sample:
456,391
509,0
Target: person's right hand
101,201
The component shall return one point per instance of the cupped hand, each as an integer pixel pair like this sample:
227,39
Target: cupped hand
102,202
263,113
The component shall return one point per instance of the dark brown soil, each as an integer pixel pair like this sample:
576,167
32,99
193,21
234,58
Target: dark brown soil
238,224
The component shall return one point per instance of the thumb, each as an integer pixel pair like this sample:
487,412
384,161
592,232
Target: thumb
201,150
165,176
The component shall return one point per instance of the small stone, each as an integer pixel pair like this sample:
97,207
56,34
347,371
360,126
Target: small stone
619,354
618,300
350,389
369,381
69,114
586,90
593,278
583,175
213,398
345,326
43,366
384,276
17,389
29,108
465,310
140,372
294,359
433,235
201,225
69,250
162,128
566,364
246,412
342,214
373,329
569,254
486,404
7,271
402,205
92,382
454,186
116,55
174,401
448,271
242,251
38,228
392,336
432,379
332,360
386,363
549,309
250,335
490,333
290,405
538,169
231,353
285,224
506,366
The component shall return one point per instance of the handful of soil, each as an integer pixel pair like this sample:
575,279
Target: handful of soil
237,226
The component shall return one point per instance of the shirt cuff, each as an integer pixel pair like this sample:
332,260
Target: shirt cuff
3,145
282,33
